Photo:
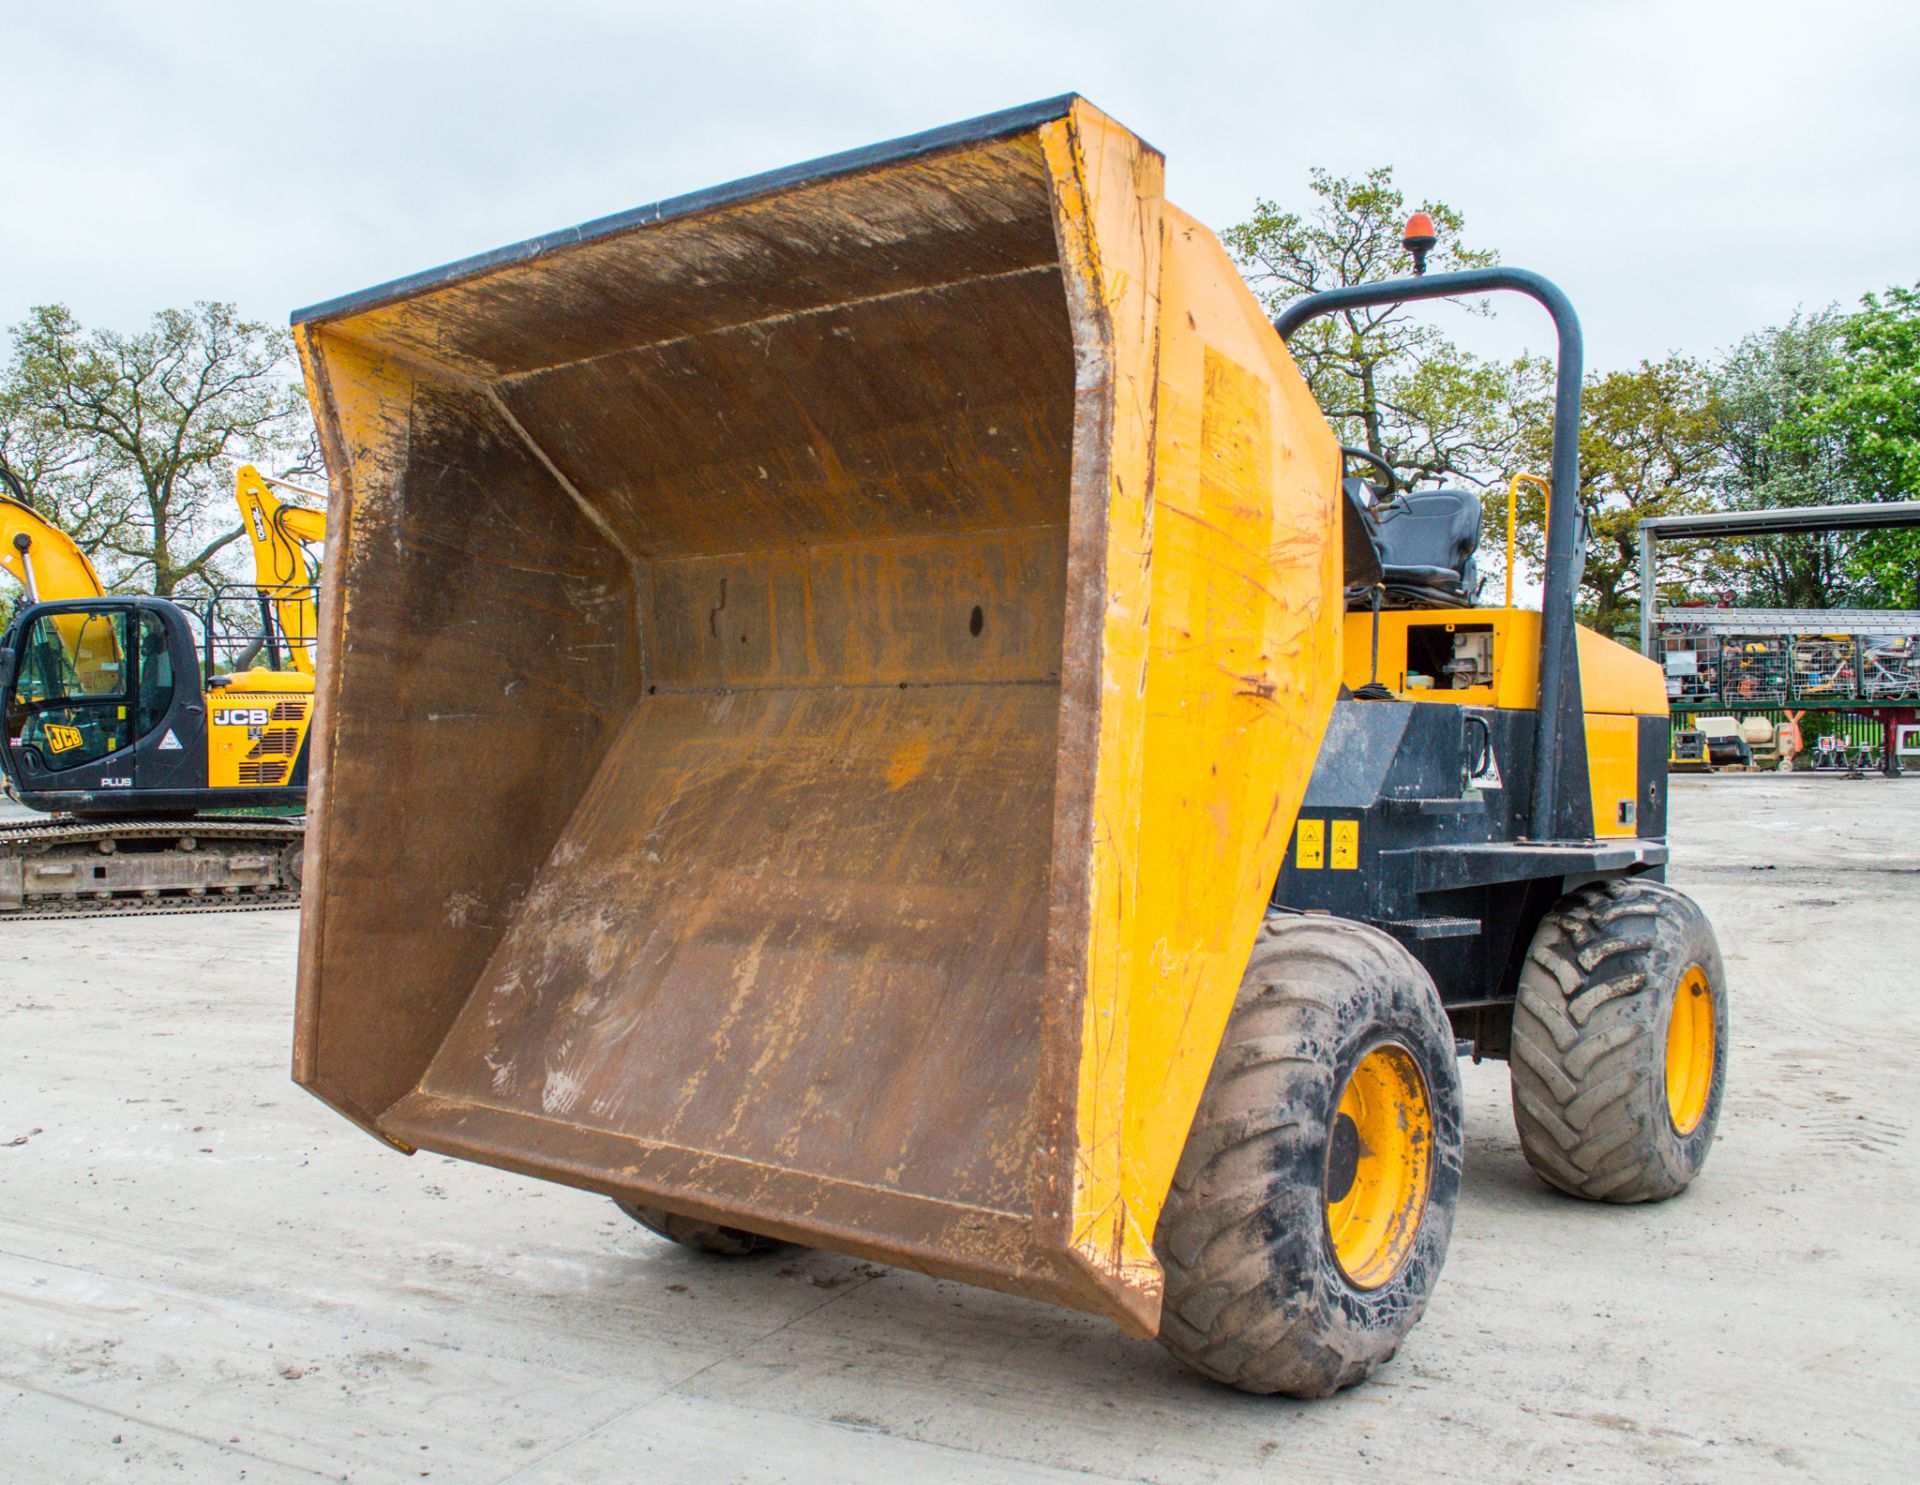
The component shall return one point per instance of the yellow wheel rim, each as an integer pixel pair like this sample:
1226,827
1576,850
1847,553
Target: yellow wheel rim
1379,1159
1690,1051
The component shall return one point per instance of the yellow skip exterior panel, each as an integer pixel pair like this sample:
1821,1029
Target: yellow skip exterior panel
1220,661
1241,681
1107,201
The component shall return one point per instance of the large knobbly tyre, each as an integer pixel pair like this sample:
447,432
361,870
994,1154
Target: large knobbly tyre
704,1237
1619,1042
1311,1209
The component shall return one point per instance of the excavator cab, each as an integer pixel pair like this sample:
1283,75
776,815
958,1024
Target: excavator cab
106,714
69,709
108,727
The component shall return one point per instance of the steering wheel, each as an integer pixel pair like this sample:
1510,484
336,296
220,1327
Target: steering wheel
1367,456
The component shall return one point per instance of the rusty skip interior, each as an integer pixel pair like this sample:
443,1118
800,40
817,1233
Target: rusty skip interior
702,643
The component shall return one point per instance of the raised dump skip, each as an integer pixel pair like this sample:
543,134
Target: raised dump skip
816,682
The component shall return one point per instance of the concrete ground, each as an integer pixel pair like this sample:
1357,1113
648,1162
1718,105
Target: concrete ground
206,1275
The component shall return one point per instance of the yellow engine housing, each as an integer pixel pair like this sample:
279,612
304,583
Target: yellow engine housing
1617,685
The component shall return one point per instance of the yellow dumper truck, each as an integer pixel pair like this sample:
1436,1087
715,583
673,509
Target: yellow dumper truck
876,721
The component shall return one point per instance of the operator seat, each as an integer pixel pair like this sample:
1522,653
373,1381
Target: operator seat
1427,543
1418,548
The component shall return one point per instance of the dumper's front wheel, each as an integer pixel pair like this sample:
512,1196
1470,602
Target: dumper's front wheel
1310,1213
702,1237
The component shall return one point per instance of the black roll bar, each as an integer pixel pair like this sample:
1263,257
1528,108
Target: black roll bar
1556,810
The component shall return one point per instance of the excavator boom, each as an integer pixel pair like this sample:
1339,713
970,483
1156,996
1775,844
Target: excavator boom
283,573
45,561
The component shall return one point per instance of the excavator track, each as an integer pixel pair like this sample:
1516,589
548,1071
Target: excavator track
73,868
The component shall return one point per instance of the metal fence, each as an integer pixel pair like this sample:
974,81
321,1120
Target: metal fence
1750,672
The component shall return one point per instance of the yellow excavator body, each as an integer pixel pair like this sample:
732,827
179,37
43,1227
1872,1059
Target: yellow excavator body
257,722
256,717
920,612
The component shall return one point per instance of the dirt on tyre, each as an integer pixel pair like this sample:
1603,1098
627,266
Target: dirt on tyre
1619,1043
1310,1213
702,1237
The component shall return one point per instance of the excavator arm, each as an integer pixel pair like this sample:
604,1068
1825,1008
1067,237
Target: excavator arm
282,571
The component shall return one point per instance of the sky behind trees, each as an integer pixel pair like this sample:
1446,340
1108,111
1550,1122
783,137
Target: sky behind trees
1688,171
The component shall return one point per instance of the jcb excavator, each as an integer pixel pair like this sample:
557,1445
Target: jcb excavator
137,722
955,775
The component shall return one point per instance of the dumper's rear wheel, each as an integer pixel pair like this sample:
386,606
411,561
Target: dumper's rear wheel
1619,1043
704,1237
1310,1213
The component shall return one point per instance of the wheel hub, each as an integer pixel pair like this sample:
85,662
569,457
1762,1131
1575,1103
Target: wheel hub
1378,1166
1690,1051
1343,1157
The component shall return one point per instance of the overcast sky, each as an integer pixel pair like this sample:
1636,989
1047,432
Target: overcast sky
1688,171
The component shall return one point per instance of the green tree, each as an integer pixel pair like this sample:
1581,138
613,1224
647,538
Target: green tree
1649,446
50,469
1873,405
130,441
1872,411
1776,453
1388,378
